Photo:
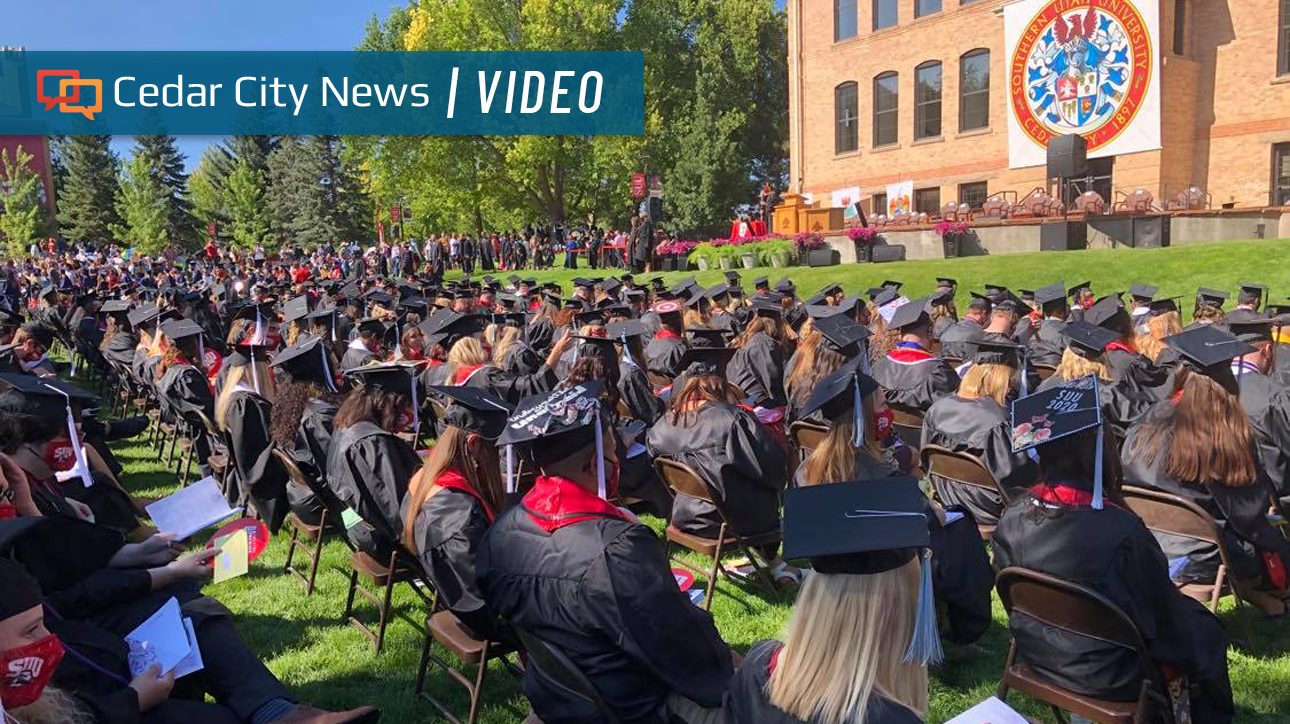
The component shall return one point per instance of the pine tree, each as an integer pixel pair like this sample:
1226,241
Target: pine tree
254,150
208,189
299,200
87,208
19,203
246,206
142,203
167,166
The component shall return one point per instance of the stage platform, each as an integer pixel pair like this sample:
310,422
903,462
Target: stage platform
1109,231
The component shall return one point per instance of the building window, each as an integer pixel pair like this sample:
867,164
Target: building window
884,14
974,90
927,201
1180,27
880,204
973,194
846,102
886,103
1283,40
926,7
1281,174
927,100
844,19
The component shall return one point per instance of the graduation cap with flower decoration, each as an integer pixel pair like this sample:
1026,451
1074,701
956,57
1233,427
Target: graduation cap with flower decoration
1057,412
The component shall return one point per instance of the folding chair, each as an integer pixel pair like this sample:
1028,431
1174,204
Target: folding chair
806,436
551,664
444,626
1165,512
382,575
946,466
1076,609
1043,371
218,462
681,478
908,425
313,533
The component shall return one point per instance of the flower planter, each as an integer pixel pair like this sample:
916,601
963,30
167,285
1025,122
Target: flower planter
669,263
726,263
703,263
682,263
749,261
863,250
780,260
950,243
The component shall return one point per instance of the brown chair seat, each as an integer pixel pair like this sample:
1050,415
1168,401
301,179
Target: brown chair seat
309,531
373,569
448,631
708,546
1024,679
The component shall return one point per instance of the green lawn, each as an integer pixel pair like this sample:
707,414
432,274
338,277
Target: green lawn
305,642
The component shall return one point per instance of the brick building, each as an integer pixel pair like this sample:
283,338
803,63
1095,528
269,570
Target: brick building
883,91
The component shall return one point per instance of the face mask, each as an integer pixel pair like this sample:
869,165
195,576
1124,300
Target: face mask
27,670
883,421
59,455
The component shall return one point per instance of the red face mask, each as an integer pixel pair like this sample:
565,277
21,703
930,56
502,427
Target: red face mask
27,670
59,455
882,421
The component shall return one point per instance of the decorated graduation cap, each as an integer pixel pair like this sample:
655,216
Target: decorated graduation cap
1212,297
1057,412
910,315
667,307
474,410
306,361
866,528
1143,292
1087,340
842,333
556,425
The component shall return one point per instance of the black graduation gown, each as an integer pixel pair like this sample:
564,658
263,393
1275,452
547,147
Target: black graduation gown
958,340
1241,513
510,387
120,349
1141,372
746,701
942,324
355,358
369,469
541,335
448,530
312,441
186,392
635,392
978,427
1268,406
520,359
725,321
1113,553
913,379
254,476
758,369
601,591
742,464
663,356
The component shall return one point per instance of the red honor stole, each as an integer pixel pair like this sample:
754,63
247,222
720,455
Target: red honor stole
666,334
453,480
556,502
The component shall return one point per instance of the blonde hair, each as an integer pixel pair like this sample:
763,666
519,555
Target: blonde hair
1073,367
242,375
846,639
834,459
504,337
465,352
991,381
1151,342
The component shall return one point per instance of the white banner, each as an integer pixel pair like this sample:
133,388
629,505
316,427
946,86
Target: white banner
900,197
1082,66
846,200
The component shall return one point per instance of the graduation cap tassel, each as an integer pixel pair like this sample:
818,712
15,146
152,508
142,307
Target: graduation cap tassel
600,457
510,469
1025,385
331,382
1097,472
416,413
627,352
857,412
925,644
258,336
82,464
255,374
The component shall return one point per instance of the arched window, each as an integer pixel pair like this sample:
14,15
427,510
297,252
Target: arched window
886,104
846,114
974,90
927,100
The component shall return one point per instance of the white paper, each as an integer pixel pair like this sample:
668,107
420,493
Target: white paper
635,449
193,661
990,711
953,516
159,640
191,509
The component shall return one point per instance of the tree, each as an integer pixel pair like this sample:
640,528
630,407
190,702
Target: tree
19,202
87,209
142,203
207,188
250,218
166,164
254,150
296,193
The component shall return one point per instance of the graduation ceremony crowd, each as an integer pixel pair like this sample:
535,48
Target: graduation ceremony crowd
498,437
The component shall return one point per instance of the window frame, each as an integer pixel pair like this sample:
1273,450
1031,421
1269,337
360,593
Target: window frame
1283,39
894,111
895,7
1179,40
939,7
963,94
1280,186
854,139
985,187
936,208
879,208
855,20
920,105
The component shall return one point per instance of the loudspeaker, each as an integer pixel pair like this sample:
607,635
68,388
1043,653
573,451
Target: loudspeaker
1067,156
1063,235
823,257
887,252
1150,232
1118,229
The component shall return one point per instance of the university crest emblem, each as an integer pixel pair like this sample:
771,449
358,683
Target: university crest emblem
1080,66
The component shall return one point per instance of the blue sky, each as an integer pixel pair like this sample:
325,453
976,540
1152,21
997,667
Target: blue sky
187,25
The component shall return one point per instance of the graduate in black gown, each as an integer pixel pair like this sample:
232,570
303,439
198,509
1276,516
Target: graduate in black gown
453,500
1227,481
368,464
301,423
366,347
828,344
974,420
1123,402
1122,360
648,651
1047,344
469,364
851,450
757,367
664,352
119,340
181,382
1265,401
1071,528
911,376
861,634
633,387
243,412
957,339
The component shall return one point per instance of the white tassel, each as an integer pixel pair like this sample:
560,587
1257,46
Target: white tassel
925,644
255,374
1097,472
857,412
600,457
510,469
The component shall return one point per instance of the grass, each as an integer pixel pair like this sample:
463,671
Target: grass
329,663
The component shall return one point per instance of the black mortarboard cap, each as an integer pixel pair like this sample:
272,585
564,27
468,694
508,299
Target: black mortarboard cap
474,410
885,297
1249,326
1055,292
785,286
1206,346
842,333
181,328
593,316
892,284
629,328
1087,340
706,336
564,411
834,396
143,315
1143,292
1213,297
705,360
296,308
1077,288
305,361
990,352
115,305
761,283
910,314
1104,310
371,325
733,278
862,527
949,282
393,376
1162,306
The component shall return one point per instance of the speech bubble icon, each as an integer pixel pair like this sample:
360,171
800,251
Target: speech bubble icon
41,75
88,111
